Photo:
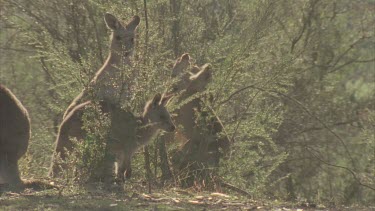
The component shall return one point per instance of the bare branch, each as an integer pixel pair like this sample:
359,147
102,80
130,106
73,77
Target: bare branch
322,128
246,109
342,167
17,49
235,93
351,62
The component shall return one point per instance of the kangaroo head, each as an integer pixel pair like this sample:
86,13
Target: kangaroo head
156,113
179,72
200,80
181,64
122,37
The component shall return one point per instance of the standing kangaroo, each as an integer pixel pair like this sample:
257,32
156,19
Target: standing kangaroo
155,117
189,81
188,84
127,133
14,136
107,83
199,77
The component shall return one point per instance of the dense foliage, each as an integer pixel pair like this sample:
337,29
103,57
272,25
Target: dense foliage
293,82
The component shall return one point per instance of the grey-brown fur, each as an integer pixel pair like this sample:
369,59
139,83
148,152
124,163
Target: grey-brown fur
198,128
126,134
107,83
14,136
190,81
180,65
187,85
185,116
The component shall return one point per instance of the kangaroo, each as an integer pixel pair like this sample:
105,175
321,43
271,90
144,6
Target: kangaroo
191,80
107,83
14,136
180,65
127,133
186,113
155,117
188,82
197,83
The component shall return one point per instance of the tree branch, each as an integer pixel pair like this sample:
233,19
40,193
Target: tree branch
17,49
303,108
342,167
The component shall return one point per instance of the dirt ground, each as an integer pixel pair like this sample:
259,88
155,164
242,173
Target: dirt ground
96,197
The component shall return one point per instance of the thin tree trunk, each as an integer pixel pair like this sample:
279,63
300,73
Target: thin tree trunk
166,172
146,151
175,9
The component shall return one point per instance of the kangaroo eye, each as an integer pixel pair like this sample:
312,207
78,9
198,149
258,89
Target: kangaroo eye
118,37
132,40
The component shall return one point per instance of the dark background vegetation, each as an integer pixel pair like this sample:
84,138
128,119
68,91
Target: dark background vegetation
293,82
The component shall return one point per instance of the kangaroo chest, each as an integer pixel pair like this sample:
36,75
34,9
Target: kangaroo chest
110,85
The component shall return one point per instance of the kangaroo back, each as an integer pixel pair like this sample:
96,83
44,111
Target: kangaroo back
14,135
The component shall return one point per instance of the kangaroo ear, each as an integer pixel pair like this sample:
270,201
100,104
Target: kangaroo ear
207,72
165,99
111,21
156,100
132,25
204,74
